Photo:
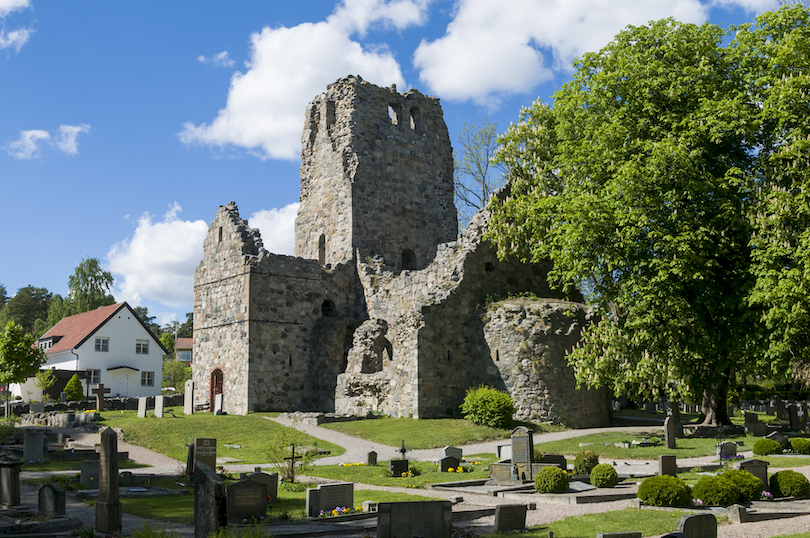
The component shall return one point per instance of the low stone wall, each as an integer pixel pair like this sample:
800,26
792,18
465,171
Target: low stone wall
116,404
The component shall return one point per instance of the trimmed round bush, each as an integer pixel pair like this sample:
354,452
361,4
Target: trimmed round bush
74,389
664,491
750,486
551,479
800,445
716,491
488,407
585,461
789,484
604,476
766,447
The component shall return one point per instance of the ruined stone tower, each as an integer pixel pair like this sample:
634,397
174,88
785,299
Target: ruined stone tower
384,306
376,177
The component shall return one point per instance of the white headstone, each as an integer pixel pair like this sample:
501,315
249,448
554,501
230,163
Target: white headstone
142,407
188,398
218,403
159,406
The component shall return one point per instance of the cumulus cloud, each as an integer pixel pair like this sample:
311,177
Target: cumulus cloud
157,263
491,49
13,39
67,137
277,227
290,66
220,58
27,146
757,6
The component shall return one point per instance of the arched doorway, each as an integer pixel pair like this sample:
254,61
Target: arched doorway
216,388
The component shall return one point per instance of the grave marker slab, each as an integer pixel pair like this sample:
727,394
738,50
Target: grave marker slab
756,467
425,518
9,481
142,407
51,500
188,398
669,432
33,445
448,462
159,406
726,449
779,437
453,452
398,467
667,465
327,497
246,500
108,508
270,480
90,471
36,408
218,404
793,417
371,459
210,511
510,517
781,411
698,526
205,451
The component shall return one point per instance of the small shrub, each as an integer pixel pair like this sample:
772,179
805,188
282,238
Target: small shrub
800,445
664,491
585,461
789,484
604,476
551,480
716,491
488,407
73,389
750,486
766,447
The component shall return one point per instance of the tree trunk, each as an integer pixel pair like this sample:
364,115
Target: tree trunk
714,410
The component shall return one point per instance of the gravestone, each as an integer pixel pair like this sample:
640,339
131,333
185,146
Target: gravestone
667,465
781,411
188,398
125,479
522,448
371,459
246,500
698,526
90,473
100,391
754,426
269,480
779,437
737,513
218,404
36,408
675,414
33,445
793,417
454,452
51,500
556,459
108,507
726,449
205,451
510,517
448,462
805,413
9,481
504,452
669,432
142,407
210,511
757,468
63,397
159,406
424,518
398,467
327,497
649,408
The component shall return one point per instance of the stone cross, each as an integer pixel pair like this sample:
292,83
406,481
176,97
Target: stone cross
108,507
100,391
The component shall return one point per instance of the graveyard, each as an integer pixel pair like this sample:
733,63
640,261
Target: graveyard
196,473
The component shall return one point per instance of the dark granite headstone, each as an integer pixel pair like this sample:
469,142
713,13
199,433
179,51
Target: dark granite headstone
510,517
448,462
793,417
726,449
9,481
781,410
372,458
51,500
424,518
210,511
398,467
90,473
205,451
108,508
758,468
669,432
698,526
453,452
667,465
33,445
327,497
270,480
246,500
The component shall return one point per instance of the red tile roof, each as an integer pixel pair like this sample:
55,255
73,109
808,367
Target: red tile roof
184,343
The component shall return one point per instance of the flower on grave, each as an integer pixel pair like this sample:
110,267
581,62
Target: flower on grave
767,495
697,502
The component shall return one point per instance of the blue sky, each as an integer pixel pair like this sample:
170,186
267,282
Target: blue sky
126,124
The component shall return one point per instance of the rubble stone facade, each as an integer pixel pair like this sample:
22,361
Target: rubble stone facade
383,307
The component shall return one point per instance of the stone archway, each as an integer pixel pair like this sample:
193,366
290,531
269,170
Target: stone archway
217,384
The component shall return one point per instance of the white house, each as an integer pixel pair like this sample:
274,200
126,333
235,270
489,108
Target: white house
109,345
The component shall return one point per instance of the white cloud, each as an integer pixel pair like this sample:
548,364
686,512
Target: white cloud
7,6
491,49
67,137
220,58
757,6
277,227
157,263
27,146
14,39
290,66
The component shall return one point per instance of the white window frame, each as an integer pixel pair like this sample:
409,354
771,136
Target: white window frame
94,377
147,379
184,356
102,344
142,347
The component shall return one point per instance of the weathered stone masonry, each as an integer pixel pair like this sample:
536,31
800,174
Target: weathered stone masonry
383,306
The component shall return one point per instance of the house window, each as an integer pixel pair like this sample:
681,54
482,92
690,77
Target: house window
184,356
102,344
147,379
94,377
142,347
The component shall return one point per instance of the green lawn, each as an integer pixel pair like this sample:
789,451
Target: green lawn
425,433
378,475
685,448
649,522
171,435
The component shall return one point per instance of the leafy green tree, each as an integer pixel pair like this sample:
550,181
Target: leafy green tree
167,339
283,444
143,313
186,329
73,389
19,357
475,176
89,287
634,184
28,305
175,374
3,296
45,380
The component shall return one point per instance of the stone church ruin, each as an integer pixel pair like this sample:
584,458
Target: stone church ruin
383,306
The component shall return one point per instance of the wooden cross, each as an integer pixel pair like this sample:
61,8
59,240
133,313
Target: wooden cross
292,463
100,392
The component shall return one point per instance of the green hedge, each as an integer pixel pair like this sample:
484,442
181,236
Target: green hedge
585,461
716,491
604,476
488,407
789,484
664,491
750,486
551,480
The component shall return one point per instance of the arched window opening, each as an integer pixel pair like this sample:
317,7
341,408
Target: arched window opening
408,260
322,249
395,113
416,118
217,387
330,115
219,240
328,308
